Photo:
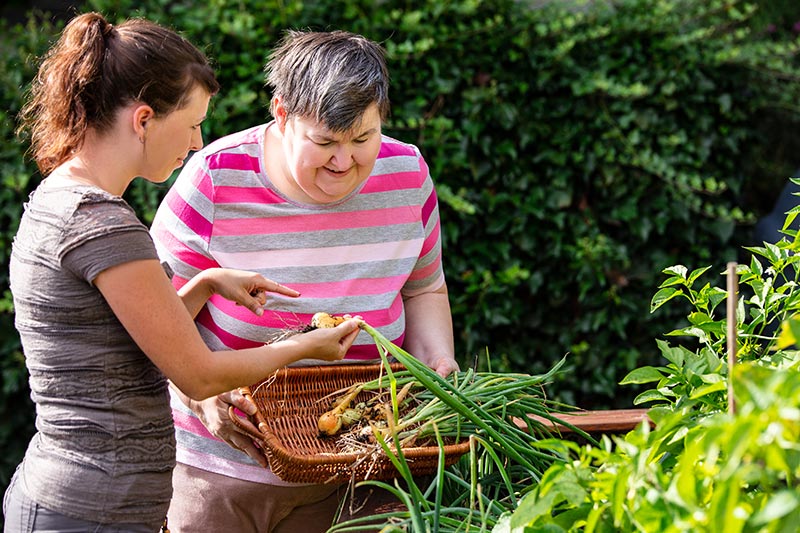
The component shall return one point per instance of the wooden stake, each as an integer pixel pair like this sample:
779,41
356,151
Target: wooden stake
733,283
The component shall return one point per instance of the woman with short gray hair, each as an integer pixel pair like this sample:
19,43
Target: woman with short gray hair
322,200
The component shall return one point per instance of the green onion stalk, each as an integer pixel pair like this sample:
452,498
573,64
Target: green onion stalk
493,411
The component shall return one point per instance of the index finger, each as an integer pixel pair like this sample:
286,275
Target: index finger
274,286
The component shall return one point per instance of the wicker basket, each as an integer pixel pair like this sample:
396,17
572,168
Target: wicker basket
288,409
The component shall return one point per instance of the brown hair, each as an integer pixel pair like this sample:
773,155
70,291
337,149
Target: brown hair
96,68
331,77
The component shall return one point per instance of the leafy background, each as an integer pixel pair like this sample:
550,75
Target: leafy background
579,149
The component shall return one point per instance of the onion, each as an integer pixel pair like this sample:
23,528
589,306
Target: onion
329,423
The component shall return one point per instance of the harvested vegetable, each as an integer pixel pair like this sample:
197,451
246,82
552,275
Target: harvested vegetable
331,421
492,411
467,403
324,320
403,411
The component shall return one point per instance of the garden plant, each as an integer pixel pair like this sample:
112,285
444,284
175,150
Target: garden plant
709,464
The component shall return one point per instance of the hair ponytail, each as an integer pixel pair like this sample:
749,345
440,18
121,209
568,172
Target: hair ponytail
96,68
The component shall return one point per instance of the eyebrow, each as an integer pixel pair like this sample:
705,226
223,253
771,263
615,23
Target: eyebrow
326,137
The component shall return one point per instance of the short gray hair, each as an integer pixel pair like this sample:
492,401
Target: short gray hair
331,77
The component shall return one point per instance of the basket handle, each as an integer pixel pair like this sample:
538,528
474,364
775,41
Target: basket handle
259,418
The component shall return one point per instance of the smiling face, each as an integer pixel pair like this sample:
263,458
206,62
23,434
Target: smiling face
322,166
169,139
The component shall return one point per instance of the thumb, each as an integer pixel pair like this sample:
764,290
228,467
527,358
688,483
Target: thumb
242,403
348,326
254,305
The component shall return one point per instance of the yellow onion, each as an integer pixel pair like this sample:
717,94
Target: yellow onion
329,423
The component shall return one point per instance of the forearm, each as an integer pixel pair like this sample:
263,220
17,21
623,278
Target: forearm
429,328
186,400
222,371
196,292
146,304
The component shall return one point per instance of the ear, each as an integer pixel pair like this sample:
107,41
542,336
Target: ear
142,114
279,113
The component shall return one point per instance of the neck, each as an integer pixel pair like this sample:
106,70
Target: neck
100,164
80,170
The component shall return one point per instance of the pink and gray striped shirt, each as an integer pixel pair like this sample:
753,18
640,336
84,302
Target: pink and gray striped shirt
360,256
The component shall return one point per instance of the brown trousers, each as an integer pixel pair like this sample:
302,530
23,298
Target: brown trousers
203,502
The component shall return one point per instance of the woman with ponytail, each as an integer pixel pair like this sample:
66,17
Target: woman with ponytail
102,328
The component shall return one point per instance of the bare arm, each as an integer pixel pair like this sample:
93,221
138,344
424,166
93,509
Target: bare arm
429,330
149,308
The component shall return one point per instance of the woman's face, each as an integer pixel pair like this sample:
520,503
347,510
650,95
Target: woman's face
323,166
169,139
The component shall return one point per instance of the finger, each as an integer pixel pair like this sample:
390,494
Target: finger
274,286
446,367
241,402
245,443
226,398
352,323
348,339
254,305
255,301
254,453
261,297
233,434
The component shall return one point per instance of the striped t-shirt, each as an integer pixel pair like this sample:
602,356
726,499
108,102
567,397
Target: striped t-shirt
360,255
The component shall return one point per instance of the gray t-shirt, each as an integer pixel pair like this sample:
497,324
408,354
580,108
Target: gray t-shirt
105,444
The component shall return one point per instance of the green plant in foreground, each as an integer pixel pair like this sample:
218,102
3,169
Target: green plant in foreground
737,472
697,379
703,467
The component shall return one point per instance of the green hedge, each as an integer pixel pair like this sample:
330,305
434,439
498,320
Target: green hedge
578,150
18,177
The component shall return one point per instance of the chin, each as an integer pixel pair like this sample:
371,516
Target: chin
329,198
161,178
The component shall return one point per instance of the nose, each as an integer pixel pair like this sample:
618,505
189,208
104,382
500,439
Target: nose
197,140
342,156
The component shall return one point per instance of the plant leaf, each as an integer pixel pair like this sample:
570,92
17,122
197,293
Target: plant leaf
645,374
663,296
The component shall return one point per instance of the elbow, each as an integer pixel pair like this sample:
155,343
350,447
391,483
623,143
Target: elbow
199,375
197,389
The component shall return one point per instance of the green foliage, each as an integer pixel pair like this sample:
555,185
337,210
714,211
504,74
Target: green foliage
768,297
704,465
722,473
18,179
707,464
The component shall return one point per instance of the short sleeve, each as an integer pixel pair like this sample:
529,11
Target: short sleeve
102,233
